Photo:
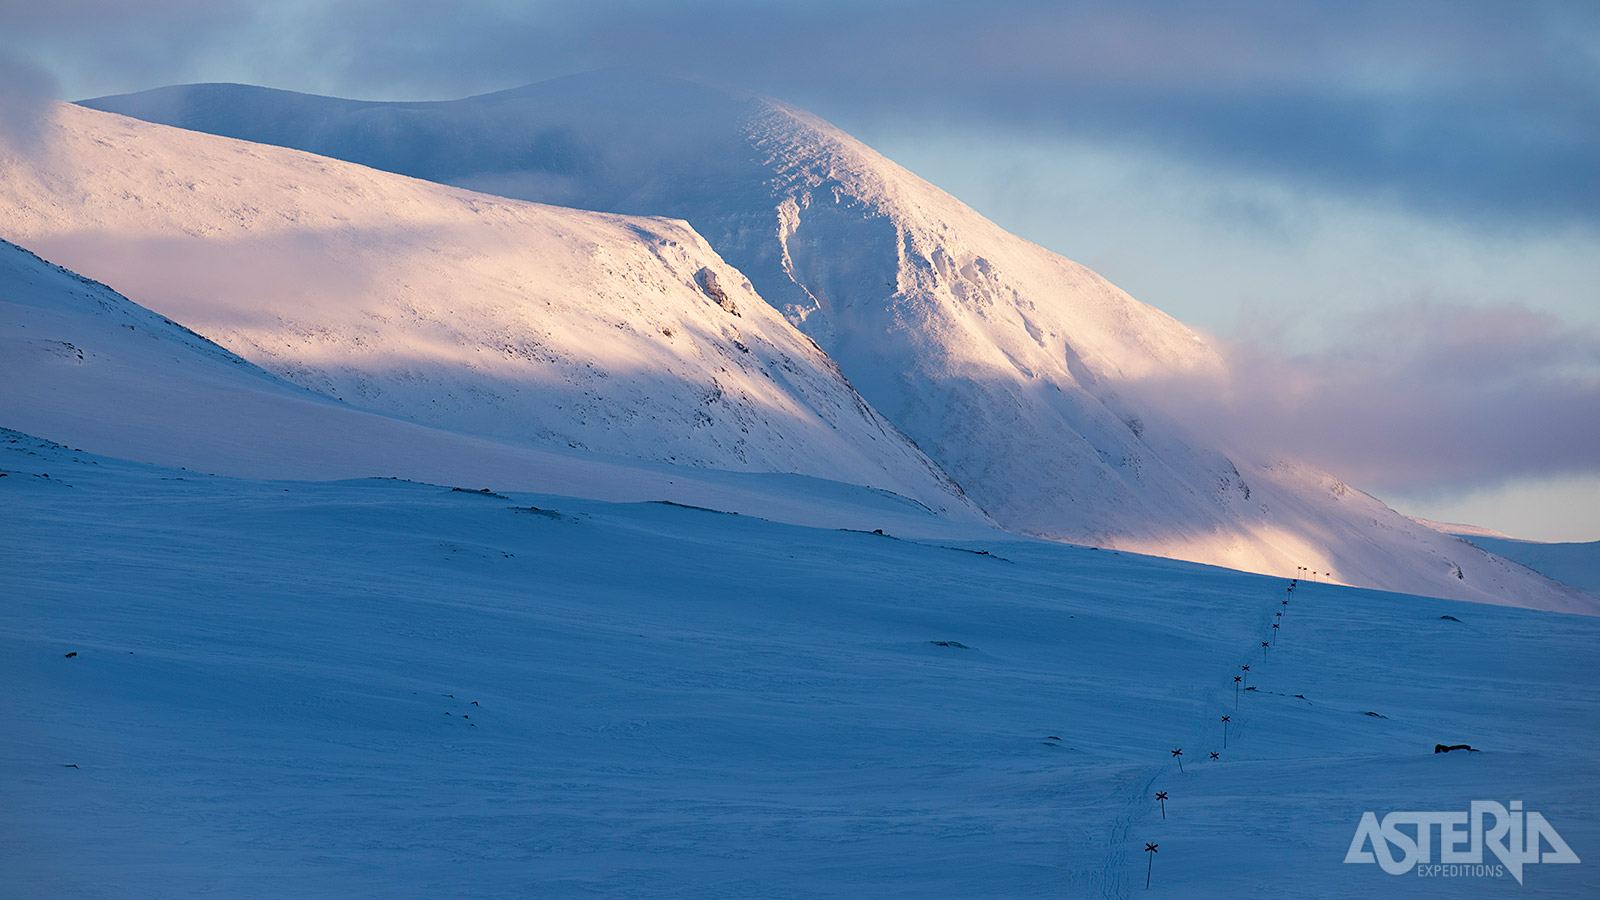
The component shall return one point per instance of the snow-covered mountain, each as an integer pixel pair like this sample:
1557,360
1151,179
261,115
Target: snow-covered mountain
1576,563
1014,369
501,319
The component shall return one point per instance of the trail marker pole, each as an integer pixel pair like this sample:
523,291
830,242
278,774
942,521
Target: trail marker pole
1274,632
1162,796
1236,680
1215,756
1263,650
1225,721
1150,866
1178,755
1246,670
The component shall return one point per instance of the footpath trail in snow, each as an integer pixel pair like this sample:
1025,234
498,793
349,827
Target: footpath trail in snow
384,688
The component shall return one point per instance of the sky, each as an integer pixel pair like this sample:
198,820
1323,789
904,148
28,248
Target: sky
1387,214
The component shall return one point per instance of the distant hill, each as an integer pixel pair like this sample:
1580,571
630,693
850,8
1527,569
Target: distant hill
1573,563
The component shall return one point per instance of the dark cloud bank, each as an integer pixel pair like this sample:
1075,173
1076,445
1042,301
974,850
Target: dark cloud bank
1481,109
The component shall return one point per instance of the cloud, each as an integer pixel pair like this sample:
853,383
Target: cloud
1481,108
1559,508
1418,398
26,92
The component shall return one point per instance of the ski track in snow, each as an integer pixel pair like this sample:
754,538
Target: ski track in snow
672,702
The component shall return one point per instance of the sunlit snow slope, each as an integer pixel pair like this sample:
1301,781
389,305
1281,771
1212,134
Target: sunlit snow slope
497,318
1013,368
83,364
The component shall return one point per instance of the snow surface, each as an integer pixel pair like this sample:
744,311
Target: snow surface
1014,369
85,365
1461,530
501,319
1574,563
380,688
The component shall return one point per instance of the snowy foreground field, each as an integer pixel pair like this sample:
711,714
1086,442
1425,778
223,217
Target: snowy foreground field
391,689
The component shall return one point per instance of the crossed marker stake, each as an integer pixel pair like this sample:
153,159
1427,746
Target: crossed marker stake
1178,755
1236,681
1225,721
1150,849
1162,796
1215,756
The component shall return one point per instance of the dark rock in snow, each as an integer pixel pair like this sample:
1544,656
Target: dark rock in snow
707,280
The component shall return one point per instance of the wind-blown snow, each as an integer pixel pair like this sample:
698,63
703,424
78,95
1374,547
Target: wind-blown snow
1013,368
502,319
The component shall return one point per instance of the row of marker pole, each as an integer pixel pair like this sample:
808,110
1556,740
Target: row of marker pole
1240,682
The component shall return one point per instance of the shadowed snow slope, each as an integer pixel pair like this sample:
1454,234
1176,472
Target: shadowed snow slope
374,689
498,318
1011,366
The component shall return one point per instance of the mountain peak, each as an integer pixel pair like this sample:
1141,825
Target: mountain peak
1014,369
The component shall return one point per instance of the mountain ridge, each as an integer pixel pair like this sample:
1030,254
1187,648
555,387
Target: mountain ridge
1016,370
